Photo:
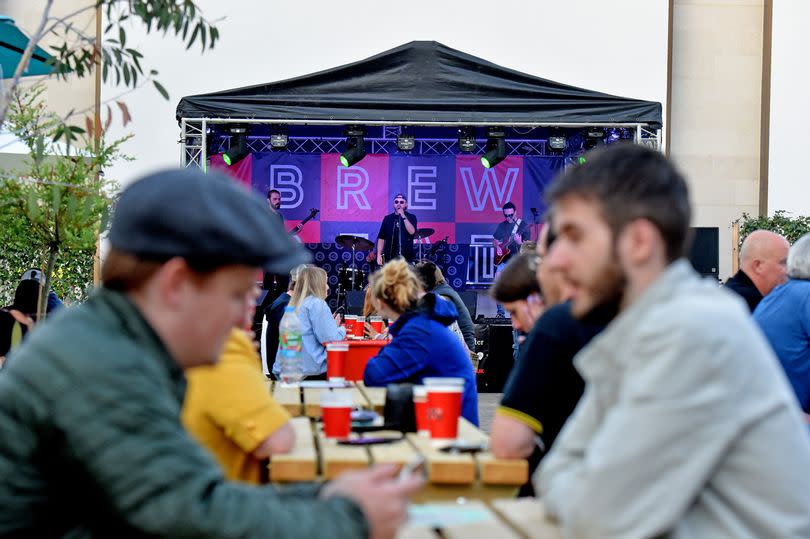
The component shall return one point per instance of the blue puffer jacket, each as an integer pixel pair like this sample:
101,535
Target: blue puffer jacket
424,346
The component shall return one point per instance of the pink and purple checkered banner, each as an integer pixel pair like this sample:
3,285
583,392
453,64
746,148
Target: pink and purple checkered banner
454,195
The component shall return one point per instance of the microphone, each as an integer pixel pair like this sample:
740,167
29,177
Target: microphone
534,211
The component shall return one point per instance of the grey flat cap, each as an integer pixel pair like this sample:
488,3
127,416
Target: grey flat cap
207,219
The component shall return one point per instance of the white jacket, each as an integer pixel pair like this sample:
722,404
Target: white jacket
687,428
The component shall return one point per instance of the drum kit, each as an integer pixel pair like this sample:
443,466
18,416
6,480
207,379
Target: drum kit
351,278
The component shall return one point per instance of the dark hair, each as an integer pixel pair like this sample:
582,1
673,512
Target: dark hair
509,205
518,280
271,191
426,271
629,181
26,297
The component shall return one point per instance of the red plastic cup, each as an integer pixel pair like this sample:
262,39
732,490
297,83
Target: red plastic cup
336,409
349,321
336,361
420,408
359,327
444,406
376,323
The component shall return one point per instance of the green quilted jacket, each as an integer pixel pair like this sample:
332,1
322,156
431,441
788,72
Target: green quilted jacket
91,444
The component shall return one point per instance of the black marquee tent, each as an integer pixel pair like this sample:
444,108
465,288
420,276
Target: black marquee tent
421,83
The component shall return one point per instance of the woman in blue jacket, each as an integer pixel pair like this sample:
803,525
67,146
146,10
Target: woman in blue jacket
422,344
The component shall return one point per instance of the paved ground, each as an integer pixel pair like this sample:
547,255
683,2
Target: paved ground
487,402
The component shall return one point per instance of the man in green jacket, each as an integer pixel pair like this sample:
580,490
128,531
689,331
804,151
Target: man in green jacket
90,439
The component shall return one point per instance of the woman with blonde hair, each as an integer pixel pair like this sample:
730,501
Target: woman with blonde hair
318,325
422,344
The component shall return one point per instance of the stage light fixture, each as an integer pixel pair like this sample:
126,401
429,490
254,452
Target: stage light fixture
466,140
495,150
355,147
237,151
557,142
278,139
595,132
406,142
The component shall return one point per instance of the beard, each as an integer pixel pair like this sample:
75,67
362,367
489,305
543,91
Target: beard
605,295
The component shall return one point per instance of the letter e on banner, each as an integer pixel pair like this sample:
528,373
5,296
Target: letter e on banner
422,187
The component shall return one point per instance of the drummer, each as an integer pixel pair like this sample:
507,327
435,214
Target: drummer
396,233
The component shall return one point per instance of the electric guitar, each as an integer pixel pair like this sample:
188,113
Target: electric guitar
503,248
312,213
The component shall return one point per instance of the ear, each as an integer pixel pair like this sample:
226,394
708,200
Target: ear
639,242
173,283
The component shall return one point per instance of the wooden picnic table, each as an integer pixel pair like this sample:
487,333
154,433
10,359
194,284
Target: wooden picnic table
450,476
522,518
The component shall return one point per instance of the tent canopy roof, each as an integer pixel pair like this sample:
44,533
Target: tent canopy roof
422,82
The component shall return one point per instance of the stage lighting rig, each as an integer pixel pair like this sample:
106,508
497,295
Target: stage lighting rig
495,150
557,141
466,139
406,142
237,151
278,138
355,146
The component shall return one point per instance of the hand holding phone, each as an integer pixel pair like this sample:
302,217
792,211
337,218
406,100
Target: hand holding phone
415,466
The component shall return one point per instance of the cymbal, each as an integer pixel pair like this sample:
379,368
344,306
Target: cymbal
424,233
358,243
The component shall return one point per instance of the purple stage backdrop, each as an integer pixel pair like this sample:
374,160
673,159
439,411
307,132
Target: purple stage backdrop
454,195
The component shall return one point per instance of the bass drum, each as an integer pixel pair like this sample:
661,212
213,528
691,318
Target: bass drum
351,279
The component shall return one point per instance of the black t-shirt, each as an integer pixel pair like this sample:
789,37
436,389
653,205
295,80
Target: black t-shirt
544,387
503,233
394,235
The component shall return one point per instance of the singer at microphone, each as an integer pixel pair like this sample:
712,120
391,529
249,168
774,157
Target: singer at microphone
396,233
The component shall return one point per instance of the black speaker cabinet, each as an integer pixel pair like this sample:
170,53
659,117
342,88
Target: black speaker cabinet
354,302
494,342
704,254
470,299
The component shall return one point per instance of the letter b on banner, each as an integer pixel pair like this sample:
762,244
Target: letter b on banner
288,180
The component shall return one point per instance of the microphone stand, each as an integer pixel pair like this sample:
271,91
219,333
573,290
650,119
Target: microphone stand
399,234
536,224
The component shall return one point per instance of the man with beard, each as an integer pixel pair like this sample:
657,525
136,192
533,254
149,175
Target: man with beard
687,427
544,387
274,203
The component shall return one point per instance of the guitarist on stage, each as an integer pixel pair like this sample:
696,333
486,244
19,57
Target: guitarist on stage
507,239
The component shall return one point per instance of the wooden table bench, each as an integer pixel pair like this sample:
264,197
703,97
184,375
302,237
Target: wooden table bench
522,518
450,476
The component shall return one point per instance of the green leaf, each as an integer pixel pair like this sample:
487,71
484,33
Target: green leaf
193,35
122,36
161,89
56,197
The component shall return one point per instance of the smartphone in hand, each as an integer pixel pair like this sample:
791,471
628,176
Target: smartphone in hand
415,466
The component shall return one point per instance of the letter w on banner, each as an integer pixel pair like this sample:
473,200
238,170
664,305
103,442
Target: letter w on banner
481,193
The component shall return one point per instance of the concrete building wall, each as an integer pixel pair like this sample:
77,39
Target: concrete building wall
715,109
788,178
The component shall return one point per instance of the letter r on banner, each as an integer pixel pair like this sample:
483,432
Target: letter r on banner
422,182
352,182
287,180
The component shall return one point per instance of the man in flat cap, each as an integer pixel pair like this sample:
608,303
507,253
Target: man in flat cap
90,439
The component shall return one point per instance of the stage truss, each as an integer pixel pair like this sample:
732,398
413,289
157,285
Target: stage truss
195,143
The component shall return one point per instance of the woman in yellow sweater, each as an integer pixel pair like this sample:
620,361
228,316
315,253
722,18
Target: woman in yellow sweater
228,409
